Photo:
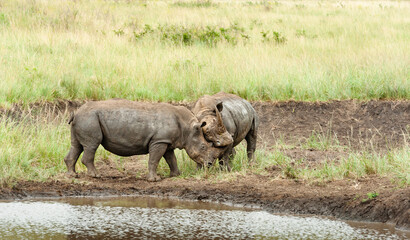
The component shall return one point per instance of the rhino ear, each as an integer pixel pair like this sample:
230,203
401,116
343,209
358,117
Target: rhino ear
198,126
220,106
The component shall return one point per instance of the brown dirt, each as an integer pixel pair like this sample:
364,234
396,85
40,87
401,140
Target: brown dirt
380,125
377,124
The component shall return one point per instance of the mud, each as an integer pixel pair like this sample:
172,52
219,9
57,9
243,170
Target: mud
379,125
351,123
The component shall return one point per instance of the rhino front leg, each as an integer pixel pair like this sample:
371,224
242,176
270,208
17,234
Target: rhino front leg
199,166
88,161
225,162
172,163
156,152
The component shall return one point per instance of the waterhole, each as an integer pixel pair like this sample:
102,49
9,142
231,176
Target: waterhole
154,218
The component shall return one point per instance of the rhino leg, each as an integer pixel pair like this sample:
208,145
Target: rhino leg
225,161
156,152
71,159
72,156
172,163
251,138
233,153
88,161
199,166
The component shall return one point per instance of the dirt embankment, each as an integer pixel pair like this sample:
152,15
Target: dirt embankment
379,125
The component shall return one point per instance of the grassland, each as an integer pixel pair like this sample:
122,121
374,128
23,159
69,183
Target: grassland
175,51
181,50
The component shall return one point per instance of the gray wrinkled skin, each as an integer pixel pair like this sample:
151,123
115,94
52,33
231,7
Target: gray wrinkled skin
239,119
129,128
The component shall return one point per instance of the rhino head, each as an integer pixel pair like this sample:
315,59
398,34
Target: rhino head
209,111
198,148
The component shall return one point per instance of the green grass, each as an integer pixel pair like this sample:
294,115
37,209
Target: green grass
159,50
322,141
393,165
31,151
370,196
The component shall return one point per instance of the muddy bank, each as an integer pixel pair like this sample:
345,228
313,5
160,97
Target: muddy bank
379,125
345,199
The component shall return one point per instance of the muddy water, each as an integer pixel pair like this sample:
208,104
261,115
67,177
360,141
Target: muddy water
153,218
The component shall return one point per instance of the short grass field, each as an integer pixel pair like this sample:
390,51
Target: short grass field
180,50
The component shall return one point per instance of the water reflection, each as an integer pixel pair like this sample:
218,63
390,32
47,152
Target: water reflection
152,218
148,202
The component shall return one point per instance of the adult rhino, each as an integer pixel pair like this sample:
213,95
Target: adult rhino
129,128
227,113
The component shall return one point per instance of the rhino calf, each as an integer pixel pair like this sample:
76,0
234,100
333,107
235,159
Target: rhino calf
129,128
227,113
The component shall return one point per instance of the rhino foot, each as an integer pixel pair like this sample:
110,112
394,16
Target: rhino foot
71,175
174,174
199,166
153,178
225,167
93,175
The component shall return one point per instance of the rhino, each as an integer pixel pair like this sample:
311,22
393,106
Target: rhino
223,114
128,128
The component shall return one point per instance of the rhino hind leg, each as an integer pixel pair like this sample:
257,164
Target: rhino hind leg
172,163
155,154
251,139
87,131
71,159
73,154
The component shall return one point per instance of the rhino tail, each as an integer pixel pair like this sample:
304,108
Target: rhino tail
71,118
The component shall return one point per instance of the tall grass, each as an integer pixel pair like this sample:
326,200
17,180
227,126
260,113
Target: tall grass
33,148
31,152
276,50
